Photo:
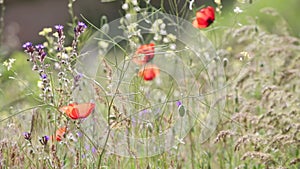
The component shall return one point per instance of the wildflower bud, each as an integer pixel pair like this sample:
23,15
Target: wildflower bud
27,136
79,134
94,150
45,81
35,67
28,47
80,28
181,110
60,74
41,52
77,77
59,29
39,47
178,103
44,140
225,62
40,84
125,6
134,2
149,127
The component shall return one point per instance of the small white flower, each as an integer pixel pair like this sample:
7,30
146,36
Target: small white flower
64,56
163,32
218,2
134,2
9,63
137,9
237,10
157,37
56,66
162,26
125,6
166,40
171,37
159,21
180,140
128,16
173,46
40,84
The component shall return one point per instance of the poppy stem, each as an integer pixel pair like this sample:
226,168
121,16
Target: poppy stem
102,152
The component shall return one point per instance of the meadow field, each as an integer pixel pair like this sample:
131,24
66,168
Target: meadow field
169,84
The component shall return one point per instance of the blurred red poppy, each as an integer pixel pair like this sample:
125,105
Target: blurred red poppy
59,134
149,72
144,54
78,111
204,17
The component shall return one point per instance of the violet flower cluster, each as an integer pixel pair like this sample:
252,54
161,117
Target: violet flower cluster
63,62
37,55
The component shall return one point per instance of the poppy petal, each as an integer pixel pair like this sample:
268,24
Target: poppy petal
147,51
77,111
202,23
149,72
210,12
59,134
204,17
85,109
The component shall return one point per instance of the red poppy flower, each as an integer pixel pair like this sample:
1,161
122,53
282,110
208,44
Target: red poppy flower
144,54
78,111
59,134
204,17
149,72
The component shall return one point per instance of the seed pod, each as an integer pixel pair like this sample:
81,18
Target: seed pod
181,110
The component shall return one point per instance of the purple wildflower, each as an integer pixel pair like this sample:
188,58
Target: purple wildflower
80,28
47,138
144,112
44,140
43,76
27,136
78,77
59,29
79,134
39,47
28,47
178,103
94,150
41,52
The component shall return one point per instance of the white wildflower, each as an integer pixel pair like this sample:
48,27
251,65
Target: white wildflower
128,16
9,63
64,56
166,40
137,9
134,2
40,84
237,10
173,46
125,6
